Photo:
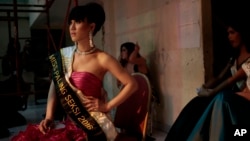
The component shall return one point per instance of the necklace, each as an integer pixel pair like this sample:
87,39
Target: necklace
85,52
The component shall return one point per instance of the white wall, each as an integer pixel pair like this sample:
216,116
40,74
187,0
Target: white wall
169,33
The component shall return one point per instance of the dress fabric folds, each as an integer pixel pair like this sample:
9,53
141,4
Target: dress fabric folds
90,85
211,118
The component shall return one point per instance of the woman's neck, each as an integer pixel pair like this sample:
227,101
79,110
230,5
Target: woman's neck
83,46
243,51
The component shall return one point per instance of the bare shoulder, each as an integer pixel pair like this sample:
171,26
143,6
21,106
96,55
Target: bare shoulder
107,61
104,57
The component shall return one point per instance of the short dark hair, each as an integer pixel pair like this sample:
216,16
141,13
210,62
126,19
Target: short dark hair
93,12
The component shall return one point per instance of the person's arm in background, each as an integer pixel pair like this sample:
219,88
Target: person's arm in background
240,75
139,61
212,83
134,59
215,81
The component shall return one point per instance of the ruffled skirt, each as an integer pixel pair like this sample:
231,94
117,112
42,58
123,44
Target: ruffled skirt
64,131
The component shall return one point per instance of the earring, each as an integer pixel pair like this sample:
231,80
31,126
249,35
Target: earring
91,39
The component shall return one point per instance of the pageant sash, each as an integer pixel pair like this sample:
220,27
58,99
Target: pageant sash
71,103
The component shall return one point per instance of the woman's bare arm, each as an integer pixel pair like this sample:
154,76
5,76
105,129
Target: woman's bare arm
240,74
134,59
215,81
51,102
129,83
46,124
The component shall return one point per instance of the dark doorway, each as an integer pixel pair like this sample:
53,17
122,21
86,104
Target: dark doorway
223,11
42,48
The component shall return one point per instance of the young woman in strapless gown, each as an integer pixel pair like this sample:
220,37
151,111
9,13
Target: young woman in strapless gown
78,72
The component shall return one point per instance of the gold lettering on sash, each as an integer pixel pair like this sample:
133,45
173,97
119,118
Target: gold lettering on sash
74,108
57,76
53,62
70,101
62,88
85,122
67,98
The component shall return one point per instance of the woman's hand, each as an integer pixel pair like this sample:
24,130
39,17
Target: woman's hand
45,125
93,104
204,92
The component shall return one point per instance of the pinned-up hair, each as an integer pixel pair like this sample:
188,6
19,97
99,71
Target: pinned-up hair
130,46
92,12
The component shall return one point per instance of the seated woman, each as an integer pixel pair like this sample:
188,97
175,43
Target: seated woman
78,72
131,60
219,106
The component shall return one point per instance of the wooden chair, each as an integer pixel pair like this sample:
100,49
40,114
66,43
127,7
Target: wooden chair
132,115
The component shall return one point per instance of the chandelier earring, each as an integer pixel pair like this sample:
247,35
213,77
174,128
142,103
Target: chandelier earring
91,44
